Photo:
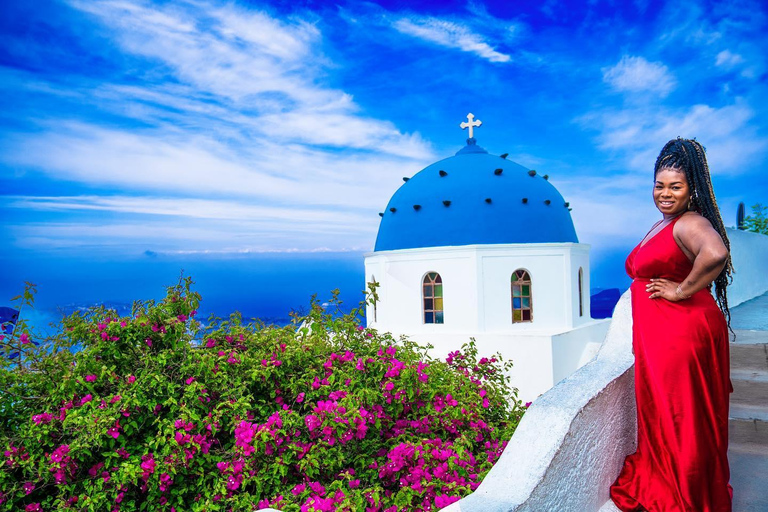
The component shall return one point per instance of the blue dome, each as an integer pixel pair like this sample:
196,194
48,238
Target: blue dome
474,198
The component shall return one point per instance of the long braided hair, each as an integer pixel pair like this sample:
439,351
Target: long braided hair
687,155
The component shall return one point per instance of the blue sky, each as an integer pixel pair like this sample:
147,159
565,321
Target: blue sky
132,132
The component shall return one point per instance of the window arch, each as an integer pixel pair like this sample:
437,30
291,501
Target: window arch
522,297
432,295
581,291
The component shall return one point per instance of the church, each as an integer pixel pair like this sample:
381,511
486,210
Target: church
477,246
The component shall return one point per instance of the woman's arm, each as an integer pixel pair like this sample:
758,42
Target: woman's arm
703,245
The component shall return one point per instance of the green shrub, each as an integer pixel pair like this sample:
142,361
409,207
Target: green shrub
158,412
758,220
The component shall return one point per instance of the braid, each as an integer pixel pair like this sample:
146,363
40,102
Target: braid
689,156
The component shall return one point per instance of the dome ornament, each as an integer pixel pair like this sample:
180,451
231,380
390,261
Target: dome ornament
471,124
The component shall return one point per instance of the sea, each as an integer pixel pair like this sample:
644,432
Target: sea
264,286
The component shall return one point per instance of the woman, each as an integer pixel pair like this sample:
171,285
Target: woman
680,342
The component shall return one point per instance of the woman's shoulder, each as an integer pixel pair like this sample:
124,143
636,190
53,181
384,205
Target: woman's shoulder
691,221
693,229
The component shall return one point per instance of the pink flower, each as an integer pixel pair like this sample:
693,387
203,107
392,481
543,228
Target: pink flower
190,380
95,469
114,432
87,398
24,339
60,453
165,482
90,378
442,500
300,397
147,465
317,488
131,379
42,418
312,422
33,507
28,487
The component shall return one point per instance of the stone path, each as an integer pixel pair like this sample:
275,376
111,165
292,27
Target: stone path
748,414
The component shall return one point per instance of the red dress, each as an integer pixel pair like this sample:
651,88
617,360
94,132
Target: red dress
682,386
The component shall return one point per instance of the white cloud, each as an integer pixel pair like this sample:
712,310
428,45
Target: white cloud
636,135
194,165
225,50
191,209
184,225
635,74
727,59
231,103
449,35
242,68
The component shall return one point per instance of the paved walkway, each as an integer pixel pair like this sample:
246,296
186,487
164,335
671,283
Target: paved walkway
748,414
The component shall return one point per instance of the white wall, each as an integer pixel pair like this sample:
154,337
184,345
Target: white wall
749,254
476,287
540,360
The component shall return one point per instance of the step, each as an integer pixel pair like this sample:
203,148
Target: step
746,412
751,392
749,357
746,337
748,435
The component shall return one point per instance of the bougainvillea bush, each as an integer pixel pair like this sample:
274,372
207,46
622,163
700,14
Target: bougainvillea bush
157,411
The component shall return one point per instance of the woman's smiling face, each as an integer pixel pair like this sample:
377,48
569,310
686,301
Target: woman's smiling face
671,192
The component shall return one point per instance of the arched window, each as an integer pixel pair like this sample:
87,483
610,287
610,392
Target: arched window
581,291
432,291
522,305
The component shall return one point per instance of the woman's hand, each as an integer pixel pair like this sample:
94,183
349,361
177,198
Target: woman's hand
663,288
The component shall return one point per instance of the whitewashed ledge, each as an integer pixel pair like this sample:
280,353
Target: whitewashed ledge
572,441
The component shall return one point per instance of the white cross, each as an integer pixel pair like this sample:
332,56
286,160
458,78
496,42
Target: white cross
471,123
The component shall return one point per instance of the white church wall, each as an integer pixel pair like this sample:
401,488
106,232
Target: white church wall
477,286
478,303
401,276
547,271
579,259
573,349
540,360
532,372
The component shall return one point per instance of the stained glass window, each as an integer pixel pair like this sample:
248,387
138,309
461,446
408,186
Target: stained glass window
432,291
522,302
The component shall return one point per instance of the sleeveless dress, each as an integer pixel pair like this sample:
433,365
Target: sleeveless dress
682,386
